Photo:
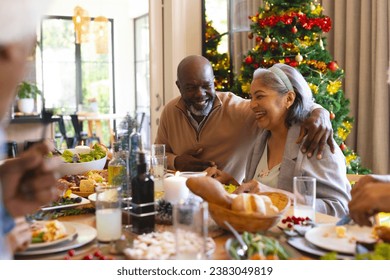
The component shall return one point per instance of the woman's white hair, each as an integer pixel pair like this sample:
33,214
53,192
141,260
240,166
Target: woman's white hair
19,19
280,78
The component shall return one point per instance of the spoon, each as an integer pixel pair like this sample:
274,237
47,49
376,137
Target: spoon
243,248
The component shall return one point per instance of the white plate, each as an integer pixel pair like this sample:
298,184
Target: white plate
70,234
85,234
326,237
302,244
83,201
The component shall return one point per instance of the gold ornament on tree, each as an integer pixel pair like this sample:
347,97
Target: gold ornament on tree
298,58
101,34
81,21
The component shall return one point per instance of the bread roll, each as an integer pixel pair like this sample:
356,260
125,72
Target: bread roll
87,185
270,208
253,203
249,203
210,190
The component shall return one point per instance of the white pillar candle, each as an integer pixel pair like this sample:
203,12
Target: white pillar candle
175,189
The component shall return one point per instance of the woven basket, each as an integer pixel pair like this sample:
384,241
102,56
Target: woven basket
252,222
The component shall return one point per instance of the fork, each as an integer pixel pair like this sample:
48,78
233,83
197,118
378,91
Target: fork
243,247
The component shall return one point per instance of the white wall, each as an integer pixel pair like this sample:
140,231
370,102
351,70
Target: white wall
182,36
122,12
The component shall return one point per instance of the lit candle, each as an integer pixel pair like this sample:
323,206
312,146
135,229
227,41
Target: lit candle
175,188
82,150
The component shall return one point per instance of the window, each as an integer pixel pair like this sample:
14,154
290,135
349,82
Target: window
73,75
142,75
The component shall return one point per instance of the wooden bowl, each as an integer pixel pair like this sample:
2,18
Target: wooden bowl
250,222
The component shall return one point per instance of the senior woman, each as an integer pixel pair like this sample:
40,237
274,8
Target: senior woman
281,100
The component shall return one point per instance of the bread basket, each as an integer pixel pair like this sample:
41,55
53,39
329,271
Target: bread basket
251,222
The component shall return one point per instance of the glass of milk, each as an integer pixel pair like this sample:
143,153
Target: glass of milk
108,213
305,197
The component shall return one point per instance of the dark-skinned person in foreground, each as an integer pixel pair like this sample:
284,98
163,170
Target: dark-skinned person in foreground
26,182
204,128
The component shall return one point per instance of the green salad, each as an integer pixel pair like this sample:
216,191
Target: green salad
97,152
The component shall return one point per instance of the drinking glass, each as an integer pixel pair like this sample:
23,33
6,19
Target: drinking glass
108,213
305,197
158,168
158,150
190,223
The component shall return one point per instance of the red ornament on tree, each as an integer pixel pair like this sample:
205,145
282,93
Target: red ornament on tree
332,115
248,60
293,64
294,29
250,35
332,66
343,146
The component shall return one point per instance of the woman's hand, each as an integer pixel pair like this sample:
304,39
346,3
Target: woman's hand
221,176
252,186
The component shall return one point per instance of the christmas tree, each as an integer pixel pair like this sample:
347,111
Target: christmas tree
292,32
219,61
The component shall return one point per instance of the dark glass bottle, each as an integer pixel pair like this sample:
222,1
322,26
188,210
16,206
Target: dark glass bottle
143,209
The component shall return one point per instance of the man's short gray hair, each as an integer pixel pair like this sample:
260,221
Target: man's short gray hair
275,80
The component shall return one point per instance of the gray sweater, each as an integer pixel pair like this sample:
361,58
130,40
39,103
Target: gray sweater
333,187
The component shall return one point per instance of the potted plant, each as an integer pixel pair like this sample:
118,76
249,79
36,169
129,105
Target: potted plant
27,93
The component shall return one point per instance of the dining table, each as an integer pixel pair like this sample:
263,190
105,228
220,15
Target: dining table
219,235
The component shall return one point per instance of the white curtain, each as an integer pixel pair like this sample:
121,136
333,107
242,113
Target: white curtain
359,42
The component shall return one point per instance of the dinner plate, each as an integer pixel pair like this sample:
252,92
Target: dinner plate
84,235
70,234
303,245
83,201
326,237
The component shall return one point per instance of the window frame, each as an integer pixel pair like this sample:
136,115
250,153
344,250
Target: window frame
78,62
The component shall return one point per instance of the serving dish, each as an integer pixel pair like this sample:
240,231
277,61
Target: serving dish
54,207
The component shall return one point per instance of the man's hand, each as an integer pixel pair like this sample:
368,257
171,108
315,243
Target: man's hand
368,199
28,182
318,129
189,162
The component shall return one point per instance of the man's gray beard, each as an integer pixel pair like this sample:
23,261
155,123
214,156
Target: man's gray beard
201,113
